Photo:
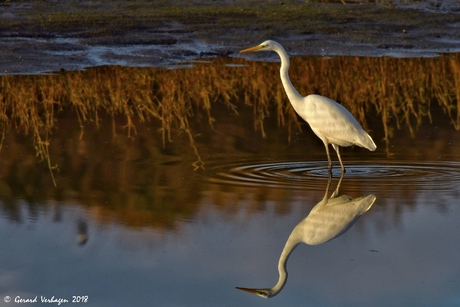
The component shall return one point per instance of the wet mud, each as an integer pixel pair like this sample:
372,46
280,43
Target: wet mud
45,36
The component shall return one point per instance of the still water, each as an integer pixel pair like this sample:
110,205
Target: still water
136,220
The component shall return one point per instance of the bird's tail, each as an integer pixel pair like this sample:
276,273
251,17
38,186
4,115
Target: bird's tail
368,143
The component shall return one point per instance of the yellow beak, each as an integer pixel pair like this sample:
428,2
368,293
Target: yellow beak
252,49
253,291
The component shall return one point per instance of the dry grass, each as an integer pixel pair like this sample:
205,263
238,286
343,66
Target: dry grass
130,179
383,93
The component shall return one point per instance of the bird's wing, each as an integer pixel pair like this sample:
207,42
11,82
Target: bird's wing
332,123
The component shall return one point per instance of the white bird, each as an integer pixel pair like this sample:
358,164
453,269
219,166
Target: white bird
330,121
328,219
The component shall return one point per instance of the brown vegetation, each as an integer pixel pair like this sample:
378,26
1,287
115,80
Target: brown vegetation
397,91
146,110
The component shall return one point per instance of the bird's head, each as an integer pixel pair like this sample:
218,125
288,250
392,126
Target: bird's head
265,46
265,293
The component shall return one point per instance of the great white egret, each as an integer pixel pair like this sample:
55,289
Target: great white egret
328,219
330,121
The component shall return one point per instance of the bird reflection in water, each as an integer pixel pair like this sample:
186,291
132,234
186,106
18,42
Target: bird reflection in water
330,218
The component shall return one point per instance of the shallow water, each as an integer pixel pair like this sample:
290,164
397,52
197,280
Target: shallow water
132,223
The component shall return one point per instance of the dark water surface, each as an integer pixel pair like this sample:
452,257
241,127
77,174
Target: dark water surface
131,223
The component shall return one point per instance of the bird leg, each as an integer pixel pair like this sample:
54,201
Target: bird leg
337,150
328,158
336,192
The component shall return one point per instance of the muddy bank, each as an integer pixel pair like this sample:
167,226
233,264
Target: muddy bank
42,36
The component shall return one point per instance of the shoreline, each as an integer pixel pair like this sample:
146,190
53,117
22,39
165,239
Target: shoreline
45,37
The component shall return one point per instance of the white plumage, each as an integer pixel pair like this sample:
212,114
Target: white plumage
328,219
329,120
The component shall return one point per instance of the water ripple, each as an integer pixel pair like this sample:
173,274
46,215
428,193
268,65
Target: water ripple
434,175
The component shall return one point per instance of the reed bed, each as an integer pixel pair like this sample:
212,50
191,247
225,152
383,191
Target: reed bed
385,94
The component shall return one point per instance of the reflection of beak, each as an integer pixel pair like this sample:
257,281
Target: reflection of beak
252,49
253,291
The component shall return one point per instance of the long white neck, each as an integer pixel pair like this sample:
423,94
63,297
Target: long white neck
294,97
292,242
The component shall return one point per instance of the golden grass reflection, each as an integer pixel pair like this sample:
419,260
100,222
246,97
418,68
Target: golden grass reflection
140,114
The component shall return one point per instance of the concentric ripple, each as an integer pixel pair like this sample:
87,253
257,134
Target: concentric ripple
425,175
